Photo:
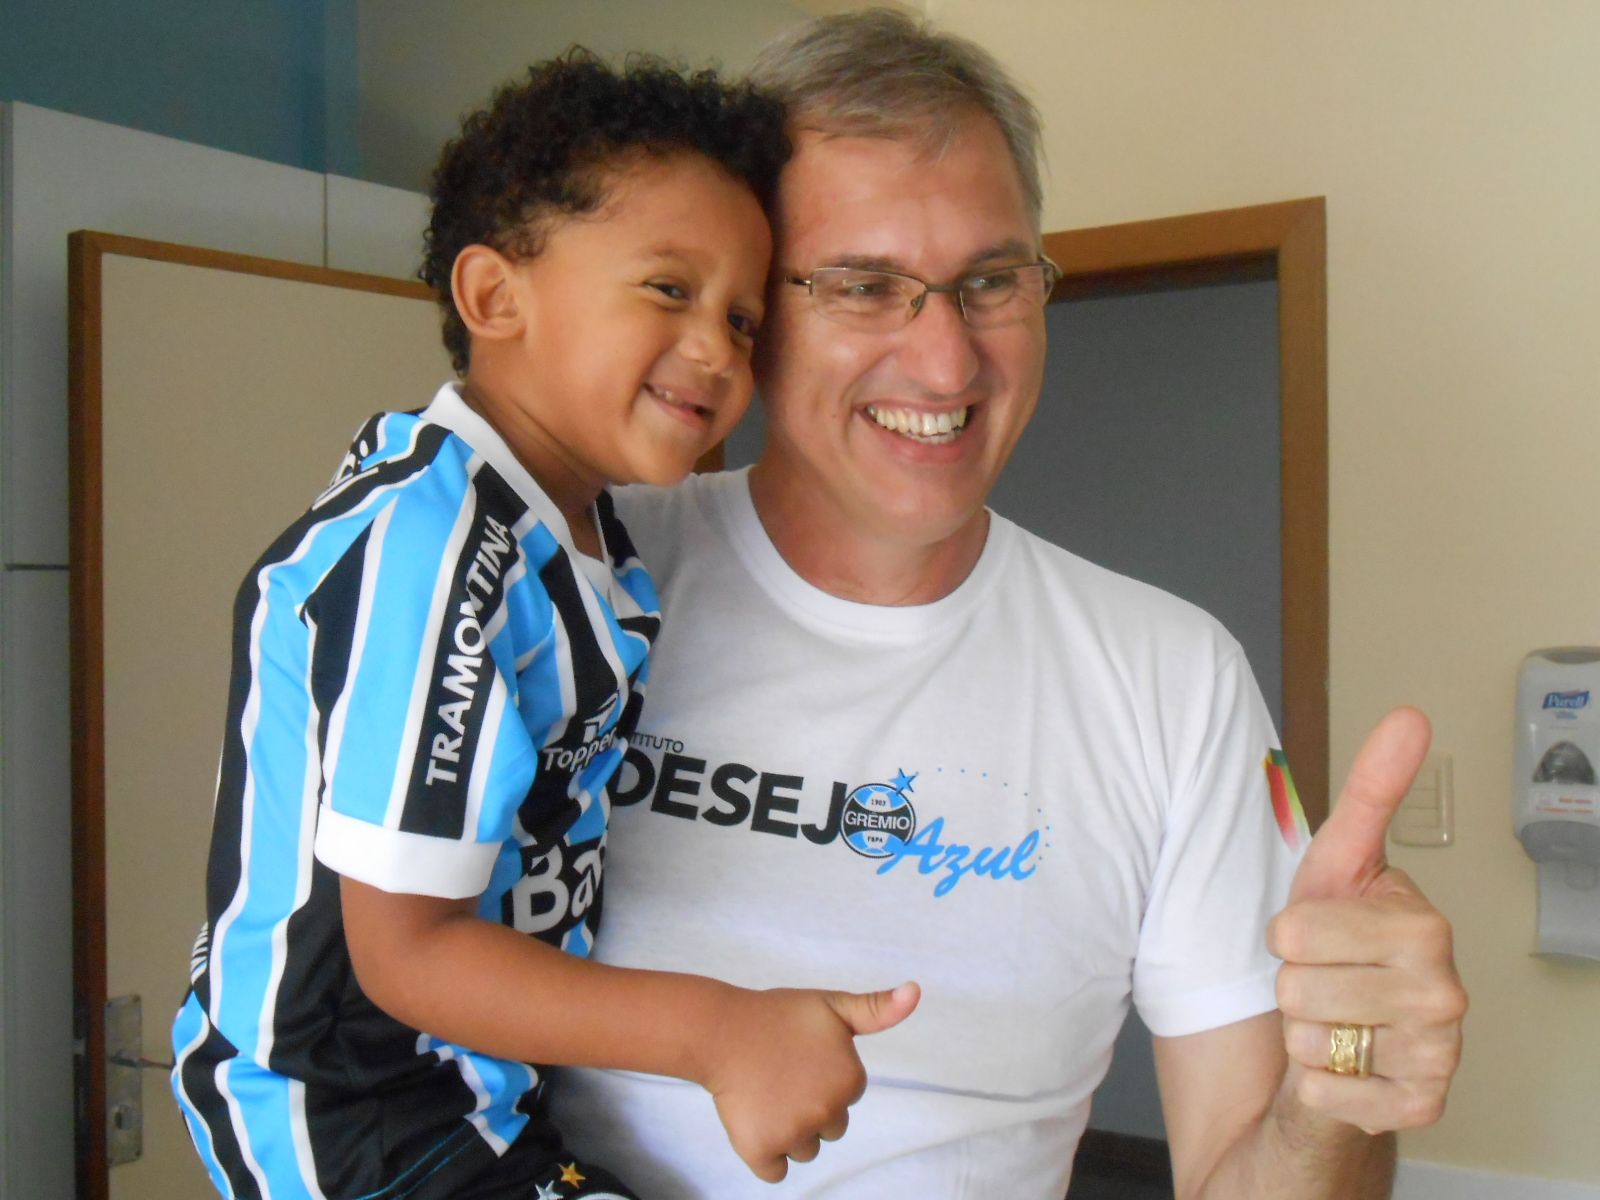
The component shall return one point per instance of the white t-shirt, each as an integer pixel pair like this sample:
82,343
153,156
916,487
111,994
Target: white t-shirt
1041,793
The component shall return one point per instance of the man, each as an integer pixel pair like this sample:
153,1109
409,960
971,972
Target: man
892,736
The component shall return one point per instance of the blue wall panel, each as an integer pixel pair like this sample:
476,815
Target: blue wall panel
252,76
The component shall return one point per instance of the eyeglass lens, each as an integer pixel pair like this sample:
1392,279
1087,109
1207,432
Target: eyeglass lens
882,299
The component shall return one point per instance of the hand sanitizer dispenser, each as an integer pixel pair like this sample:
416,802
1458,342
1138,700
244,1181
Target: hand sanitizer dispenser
1556,801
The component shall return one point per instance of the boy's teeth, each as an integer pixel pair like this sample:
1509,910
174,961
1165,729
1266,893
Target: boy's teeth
925,426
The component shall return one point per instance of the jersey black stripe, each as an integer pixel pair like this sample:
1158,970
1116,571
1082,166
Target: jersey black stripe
224,866
549,809
620,546
200,1085
615,533
334,609
463,670
645,627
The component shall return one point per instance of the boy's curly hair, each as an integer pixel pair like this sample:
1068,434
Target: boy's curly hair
544,145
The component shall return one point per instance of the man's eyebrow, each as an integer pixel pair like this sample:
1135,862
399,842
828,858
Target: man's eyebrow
867,262
1012,249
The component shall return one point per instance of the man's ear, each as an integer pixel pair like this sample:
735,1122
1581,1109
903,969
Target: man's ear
486,288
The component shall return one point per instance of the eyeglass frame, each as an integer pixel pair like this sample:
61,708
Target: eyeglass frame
949,289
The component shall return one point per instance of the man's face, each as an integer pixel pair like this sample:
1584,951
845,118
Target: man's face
839,399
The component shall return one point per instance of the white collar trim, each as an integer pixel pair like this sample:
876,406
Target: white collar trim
741,522
450,411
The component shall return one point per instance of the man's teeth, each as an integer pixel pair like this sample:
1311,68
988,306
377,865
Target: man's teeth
923,426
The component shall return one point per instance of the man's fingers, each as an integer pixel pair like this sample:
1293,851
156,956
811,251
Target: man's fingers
1395,1055
1376,1105
873,1012
1361,995
1401,927
1412,1000
1347,853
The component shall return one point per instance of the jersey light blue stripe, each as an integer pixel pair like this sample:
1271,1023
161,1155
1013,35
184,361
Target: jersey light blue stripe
276,765
504,1082
512,765
398,638
269,1128
188,1031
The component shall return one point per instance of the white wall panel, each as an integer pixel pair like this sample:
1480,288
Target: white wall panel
374,228
70,173
62,173
35,888
1424,1181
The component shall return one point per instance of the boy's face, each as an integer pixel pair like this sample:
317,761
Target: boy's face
635,357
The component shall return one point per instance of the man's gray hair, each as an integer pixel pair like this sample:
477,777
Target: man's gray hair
882,73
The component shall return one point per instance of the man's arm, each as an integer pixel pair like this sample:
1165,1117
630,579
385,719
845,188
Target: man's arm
1251,1109
1237,1129
781,1064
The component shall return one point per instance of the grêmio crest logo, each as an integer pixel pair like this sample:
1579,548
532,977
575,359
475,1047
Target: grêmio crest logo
1567,700
877,821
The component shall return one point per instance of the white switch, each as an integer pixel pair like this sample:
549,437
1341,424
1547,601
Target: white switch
1427,814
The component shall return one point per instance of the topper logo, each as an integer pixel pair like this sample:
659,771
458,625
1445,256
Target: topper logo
1567,700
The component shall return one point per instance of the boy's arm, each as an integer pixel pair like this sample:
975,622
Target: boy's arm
781,1065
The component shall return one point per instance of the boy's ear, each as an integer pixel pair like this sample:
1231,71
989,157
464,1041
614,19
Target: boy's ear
485,286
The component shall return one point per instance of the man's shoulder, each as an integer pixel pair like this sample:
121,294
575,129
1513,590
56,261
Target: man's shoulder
1119,606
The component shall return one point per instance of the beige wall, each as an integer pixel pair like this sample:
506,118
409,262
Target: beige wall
423,63
1458,143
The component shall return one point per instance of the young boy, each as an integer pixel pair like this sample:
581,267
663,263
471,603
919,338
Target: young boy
435,673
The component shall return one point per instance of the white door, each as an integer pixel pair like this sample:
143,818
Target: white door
227,390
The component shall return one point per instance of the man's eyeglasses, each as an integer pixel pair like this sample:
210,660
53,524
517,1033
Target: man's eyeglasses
882,301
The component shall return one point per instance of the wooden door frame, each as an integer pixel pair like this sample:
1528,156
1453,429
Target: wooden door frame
85,250
1288,240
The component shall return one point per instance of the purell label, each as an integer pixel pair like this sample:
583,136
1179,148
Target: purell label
1568,700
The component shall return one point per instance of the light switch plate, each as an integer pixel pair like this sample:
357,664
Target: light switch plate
1427,815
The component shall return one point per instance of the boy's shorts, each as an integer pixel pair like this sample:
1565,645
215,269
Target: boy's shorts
564,1179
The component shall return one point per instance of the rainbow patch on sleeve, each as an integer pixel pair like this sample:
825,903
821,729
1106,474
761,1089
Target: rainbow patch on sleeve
1286,802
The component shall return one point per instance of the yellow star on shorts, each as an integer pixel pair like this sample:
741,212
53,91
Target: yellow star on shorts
569,1174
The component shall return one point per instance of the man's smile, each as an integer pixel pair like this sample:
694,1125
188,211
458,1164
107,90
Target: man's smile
919,425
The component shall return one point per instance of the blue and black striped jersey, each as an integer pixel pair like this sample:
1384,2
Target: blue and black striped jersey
430,690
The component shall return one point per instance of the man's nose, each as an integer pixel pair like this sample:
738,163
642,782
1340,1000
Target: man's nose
937,350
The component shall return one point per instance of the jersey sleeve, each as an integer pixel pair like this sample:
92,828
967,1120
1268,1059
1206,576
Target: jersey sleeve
1227,858
425,759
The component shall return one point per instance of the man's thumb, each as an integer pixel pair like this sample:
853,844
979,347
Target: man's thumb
1347,853
873,1012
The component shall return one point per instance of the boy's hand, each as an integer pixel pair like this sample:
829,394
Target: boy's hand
784,1068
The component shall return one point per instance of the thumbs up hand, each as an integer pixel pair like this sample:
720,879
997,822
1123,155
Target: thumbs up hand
784,1069
1361,945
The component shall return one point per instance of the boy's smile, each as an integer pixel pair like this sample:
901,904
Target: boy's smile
620,352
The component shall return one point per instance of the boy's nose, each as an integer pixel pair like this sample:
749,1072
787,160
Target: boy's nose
709,342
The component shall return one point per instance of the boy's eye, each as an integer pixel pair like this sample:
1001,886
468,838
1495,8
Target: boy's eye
744,324
670,290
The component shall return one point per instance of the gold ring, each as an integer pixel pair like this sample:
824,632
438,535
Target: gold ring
1350,1050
